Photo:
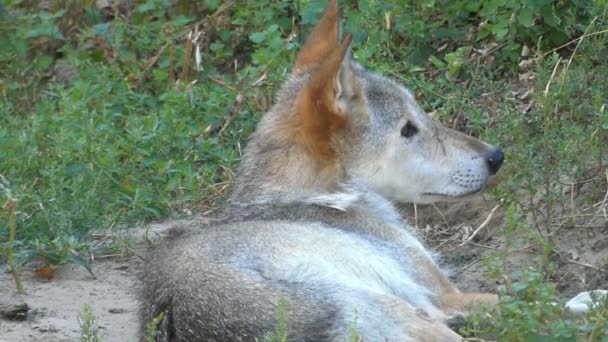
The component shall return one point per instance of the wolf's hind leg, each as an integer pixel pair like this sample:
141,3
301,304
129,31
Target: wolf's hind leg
208,300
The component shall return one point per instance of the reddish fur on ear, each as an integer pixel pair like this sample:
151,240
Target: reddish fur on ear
318,116
322,41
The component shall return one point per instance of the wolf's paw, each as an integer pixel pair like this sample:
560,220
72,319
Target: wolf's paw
585,301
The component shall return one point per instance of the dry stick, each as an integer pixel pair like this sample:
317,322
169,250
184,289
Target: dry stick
546,92
484,246
223,84
474,339
234,109
586,265
574,52
154,59
219,11
234,112
601,208
10,207
571,42
186,65
520,250
579,44
481,226
603,202
546,177
447,224
466,267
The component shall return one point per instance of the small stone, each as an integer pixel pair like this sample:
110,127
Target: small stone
101,4
14,310
47,328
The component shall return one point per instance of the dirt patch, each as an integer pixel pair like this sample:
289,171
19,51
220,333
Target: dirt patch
581,245
55,305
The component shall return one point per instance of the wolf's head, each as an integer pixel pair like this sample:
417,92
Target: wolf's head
335,122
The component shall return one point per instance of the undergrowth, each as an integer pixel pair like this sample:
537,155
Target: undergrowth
117,113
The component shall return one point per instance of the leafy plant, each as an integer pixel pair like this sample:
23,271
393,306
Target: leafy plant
529,308
89,330
59,251
152,327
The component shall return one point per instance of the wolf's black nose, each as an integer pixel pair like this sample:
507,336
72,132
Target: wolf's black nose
495,159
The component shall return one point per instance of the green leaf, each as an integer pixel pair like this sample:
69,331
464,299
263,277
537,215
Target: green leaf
51,258
489,7
549,17
451,33
437,62
526,17
211,4
257,37
43,62
501,29
79,261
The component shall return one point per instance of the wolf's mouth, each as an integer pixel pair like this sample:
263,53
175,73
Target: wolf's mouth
446,195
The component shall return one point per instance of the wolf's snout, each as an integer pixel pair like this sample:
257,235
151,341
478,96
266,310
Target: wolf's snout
494,160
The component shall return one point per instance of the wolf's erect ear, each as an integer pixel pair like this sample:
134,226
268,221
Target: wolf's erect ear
323,105
322,41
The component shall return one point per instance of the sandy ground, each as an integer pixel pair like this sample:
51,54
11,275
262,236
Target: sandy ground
55,305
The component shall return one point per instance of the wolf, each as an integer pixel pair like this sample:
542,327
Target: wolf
311,224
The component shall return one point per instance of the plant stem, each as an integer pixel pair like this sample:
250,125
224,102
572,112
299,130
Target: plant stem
10,207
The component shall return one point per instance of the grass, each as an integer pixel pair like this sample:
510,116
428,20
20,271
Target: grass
108,119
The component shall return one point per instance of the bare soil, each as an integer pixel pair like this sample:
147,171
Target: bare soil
581,245
55,305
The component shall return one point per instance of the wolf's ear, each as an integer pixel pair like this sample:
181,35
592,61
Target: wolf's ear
322,41
326,99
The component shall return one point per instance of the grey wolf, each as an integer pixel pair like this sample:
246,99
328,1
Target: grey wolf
310,221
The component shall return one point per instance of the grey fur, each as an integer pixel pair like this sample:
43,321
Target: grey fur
326,240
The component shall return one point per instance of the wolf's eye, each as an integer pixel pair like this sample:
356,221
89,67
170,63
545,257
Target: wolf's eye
408,130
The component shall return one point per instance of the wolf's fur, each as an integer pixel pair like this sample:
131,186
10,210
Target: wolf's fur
310,219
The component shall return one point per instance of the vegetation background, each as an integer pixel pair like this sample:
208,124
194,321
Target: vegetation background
118,112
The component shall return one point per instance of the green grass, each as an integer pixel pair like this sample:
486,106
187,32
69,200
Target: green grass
106,121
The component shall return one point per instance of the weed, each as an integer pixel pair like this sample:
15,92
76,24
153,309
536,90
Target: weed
89,330
10,206
152,327
281,334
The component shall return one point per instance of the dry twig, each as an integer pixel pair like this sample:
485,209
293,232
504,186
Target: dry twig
481,226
